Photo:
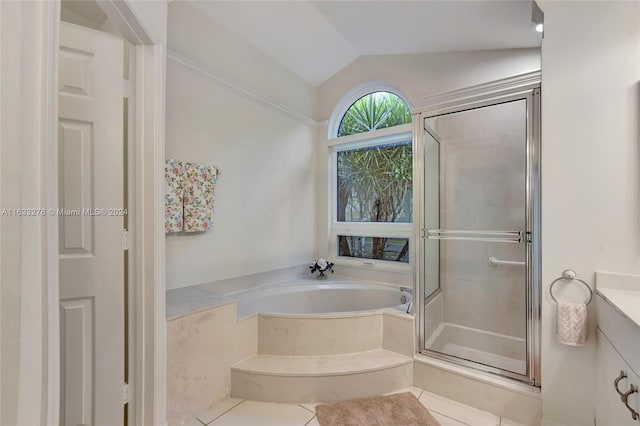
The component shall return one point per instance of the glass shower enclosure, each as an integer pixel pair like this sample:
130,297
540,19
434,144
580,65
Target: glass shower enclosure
479,222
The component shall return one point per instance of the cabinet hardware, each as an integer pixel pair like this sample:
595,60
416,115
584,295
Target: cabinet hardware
625,398
622,375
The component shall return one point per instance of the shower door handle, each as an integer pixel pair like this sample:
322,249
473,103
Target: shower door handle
483,236
493,261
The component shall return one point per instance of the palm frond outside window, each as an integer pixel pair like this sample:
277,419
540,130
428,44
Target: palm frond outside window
374,183
374,111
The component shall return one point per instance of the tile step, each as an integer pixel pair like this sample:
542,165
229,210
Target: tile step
320,378
321,365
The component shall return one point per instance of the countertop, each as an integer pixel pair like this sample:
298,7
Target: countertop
622,292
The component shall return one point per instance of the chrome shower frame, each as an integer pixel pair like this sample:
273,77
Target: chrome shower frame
529,90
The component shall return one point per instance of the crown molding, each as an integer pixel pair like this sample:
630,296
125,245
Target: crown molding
470,94
241,89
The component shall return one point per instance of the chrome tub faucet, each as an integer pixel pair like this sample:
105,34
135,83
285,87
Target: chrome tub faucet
410,291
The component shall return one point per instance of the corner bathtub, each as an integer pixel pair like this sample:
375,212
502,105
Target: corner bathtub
321,298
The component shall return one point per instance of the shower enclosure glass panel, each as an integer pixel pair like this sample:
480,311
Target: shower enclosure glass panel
475,238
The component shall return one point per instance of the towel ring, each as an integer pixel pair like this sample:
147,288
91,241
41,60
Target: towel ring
569,274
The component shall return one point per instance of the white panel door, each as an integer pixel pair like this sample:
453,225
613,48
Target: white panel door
91,239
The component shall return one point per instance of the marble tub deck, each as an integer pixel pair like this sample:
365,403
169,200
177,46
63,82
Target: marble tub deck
195,298
189,300
240,412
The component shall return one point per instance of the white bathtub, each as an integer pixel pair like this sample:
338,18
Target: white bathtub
320,298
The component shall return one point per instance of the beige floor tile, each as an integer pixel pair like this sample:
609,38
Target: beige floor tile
507,422
446,421
414,390
455,410
313,422
311,406
254,413
218,409
191,422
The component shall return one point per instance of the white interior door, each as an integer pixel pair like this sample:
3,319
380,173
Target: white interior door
91,239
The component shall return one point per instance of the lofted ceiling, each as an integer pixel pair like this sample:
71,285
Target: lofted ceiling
316,39
87,9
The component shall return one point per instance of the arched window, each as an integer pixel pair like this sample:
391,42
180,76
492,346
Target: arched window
374,111
372,184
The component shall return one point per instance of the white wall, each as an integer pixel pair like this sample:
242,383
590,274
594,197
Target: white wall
71,16
198,37
230,105
420,75
264,200
152,16
24,140
590,204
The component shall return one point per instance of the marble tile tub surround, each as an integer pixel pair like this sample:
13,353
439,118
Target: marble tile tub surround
328,334
186,300
327,358
242,283
302,335
201,348
273,378
203,345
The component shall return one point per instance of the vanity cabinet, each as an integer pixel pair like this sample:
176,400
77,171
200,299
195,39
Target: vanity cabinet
618,350
610,410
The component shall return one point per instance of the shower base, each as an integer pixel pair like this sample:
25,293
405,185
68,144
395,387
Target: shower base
481,346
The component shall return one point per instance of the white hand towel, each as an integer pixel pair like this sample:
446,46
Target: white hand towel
571,323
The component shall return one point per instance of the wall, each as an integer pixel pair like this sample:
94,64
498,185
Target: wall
71,16
24,140
420,75
198,37
264,207
152,16
590,202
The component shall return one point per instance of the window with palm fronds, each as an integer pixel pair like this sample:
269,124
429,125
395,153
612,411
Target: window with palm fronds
374,181
374,111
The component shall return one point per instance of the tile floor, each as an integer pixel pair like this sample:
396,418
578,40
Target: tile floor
240,412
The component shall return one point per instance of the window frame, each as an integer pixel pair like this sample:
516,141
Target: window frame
400,133
352,96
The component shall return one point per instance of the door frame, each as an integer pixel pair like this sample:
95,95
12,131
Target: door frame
145,28
521,86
